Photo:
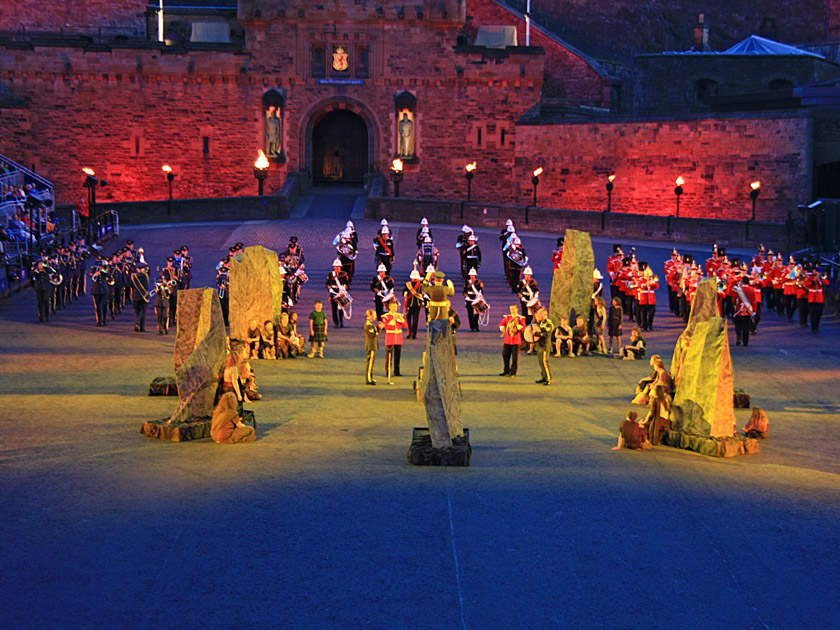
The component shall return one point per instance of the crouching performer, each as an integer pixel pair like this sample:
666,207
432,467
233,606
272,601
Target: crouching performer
227,426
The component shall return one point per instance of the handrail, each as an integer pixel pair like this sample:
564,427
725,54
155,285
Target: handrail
32,174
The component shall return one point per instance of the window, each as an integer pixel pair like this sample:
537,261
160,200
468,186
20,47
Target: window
705,89
205,145
319,61
362,61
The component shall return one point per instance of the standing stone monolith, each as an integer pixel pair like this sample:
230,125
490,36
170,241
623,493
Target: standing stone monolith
256,290
441,394
199,353
571,288
703,308
703,402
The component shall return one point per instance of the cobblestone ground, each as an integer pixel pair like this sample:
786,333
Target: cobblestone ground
321,523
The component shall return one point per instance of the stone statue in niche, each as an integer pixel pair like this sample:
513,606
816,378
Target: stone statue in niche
273,146
406,133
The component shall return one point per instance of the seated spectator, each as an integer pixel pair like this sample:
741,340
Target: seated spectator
563,338
759,426
267,341
658,419
631,434
285,342
580,337
635,349
253,339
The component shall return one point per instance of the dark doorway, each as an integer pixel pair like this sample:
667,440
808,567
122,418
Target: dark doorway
340,148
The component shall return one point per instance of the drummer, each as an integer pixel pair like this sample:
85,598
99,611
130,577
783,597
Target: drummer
474,298
529,296
337,283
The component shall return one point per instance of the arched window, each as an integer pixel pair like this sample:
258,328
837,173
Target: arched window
704,89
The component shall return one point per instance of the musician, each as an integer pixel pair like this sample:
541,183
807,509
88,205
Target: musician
506,231
517,260
345,247
163,291
384,248
428,254
529,295
423,231
186,267
223,287
471,255
542,338
172,276
100,277
648,283
815,281
393,323
511,328
292,256
351,232
382,225
371,344
414,301
669,268
757,283
557,254
337,283
43,289
473,294
506,236
439,293
382,286
802,293
789,288
461,245
140,295
613,268
115,287
743,300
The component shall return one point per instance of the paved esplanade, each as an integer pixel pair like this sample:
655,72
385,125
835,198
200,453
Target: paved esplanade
322,524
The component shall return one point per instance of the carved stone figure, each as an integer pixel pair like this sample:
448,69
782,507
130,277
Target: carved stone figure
406,130
272,133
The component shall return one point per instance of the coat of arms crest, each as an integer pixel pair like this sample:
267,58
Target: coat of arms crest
341,60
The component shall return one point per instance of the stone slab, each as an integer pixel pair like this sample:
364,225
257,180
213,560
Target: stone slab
703,402
713,447
256,289
703,308
439,386
422,453
193,429
572,285
199,353
163,386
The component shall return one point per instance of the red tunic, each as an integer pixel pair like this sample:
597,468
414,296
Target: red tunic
513,340
394,325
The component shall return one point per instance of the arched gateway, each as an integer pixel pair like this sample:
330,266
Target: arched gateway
340,144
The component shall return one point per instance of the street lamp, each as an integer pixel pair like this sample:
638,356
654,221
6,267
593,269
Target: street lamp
470,173
170,177
609,192
397,175
261,170
754,193
91,182
679,191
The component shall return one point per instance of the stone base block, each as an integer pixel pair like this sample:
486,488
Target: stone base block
163,386
713,447
741,399
193,429
422,453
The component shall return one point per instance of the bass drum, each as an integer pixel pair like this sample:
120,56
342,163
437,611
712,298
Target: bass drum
531,333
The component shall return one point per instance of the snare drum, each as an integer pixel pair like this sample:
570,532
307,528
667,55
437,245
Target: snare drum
342,299
480,305
534,307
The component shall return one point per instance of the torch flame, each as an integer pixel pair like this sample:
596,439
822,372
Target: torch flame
88,171
755,185
397,165
538,172
471,167
262,161
166,168
680,181
611,177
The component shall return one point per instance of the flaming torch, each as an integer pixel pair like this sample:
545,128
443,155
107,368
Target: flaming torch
397,175
469,174
261,170
754,193
170,177
679,191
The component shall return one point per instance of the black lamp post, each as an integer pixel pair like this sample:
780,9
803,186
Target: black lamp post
469,174
679,191
397,175
261,171
754,193
170,177
609,192
91,182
